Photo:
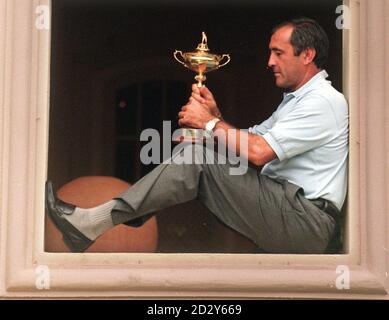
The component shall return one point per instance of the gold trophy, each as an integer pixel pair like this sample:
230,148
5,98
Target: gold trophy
200,61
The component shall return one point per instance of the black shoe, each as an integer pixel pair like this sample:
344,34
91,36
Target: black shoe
73,238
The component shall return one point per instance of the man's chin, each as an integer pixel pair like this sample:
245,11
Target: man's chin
283,85
280,84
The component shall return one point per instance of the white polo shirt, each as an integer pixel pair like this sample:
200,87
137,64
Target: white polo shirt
309,134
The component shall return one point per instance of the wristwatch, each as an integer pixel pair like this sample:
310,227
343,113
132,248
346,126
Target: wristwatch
210,126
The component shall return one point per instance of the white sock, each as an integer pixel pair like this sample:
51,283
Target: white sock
93,222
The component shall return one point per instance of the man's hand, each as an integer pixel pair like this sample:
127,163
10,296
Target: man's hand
194,115
205,97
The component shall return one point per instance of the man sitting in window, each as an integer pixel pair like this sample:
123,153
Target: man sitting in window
293,204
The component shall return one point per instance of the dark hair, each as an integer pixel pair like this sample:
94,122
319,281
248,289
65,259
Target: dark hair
307,33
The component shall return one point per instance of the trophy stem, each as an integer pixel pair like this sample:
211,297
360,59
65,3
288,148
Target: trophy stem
200,78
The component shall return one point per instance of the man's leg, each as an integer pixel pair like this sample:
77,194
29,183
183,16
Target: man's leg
274,214
232,198
170,183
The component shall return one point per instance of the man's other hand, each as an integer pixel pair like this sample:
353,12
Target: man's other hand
205,97
194,115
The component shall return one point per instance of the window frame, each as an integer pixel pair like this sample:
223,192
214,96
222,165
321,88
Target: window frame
24,119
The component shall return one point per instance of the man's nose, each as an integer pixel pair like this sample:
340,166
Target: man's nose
270,62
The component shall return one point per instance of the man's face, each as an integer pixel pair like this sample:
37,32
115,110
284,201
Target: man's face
288,69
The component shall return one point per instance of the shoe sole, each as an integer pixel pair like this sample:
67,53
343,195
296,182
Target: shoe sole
65,227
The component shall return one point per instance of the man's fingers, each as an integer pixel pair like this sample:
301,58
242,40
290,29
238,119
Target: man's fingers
206,93
197,97
181,115
202,91
195,88
182,121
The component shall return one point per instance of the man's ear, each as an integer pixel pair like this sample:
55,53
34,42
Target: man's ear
309,55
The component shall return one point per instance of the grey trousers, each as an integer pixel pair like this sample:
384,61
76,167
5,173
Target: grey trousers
273,213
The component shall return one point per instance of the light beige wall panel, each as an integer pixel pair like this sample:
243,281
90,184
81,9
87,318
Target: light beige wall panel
24,89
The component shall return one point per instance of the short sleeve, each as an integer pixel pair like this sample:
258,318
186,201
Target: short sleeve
310,124
262,128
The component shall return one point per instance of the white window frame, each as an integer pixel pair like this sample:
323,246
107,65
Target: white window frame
24,116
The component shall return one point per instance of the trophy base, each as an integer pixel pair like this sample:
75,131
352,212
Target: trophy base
191,135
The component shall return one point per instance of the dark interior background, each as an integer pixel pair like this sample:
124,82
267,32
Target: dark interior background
110,55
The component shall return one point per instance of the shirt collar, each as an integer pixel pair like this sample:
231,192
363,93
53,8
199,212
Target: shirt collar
319,76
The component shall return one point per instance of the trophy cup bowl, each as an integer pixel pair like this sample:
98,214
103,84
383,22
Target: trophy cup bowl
200,61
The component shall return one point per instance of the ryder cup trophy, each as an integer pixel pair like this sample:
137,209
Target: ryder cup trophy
200,61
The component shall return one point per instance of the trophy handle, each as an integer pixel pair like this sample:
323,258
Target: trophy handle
228,60
175,57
